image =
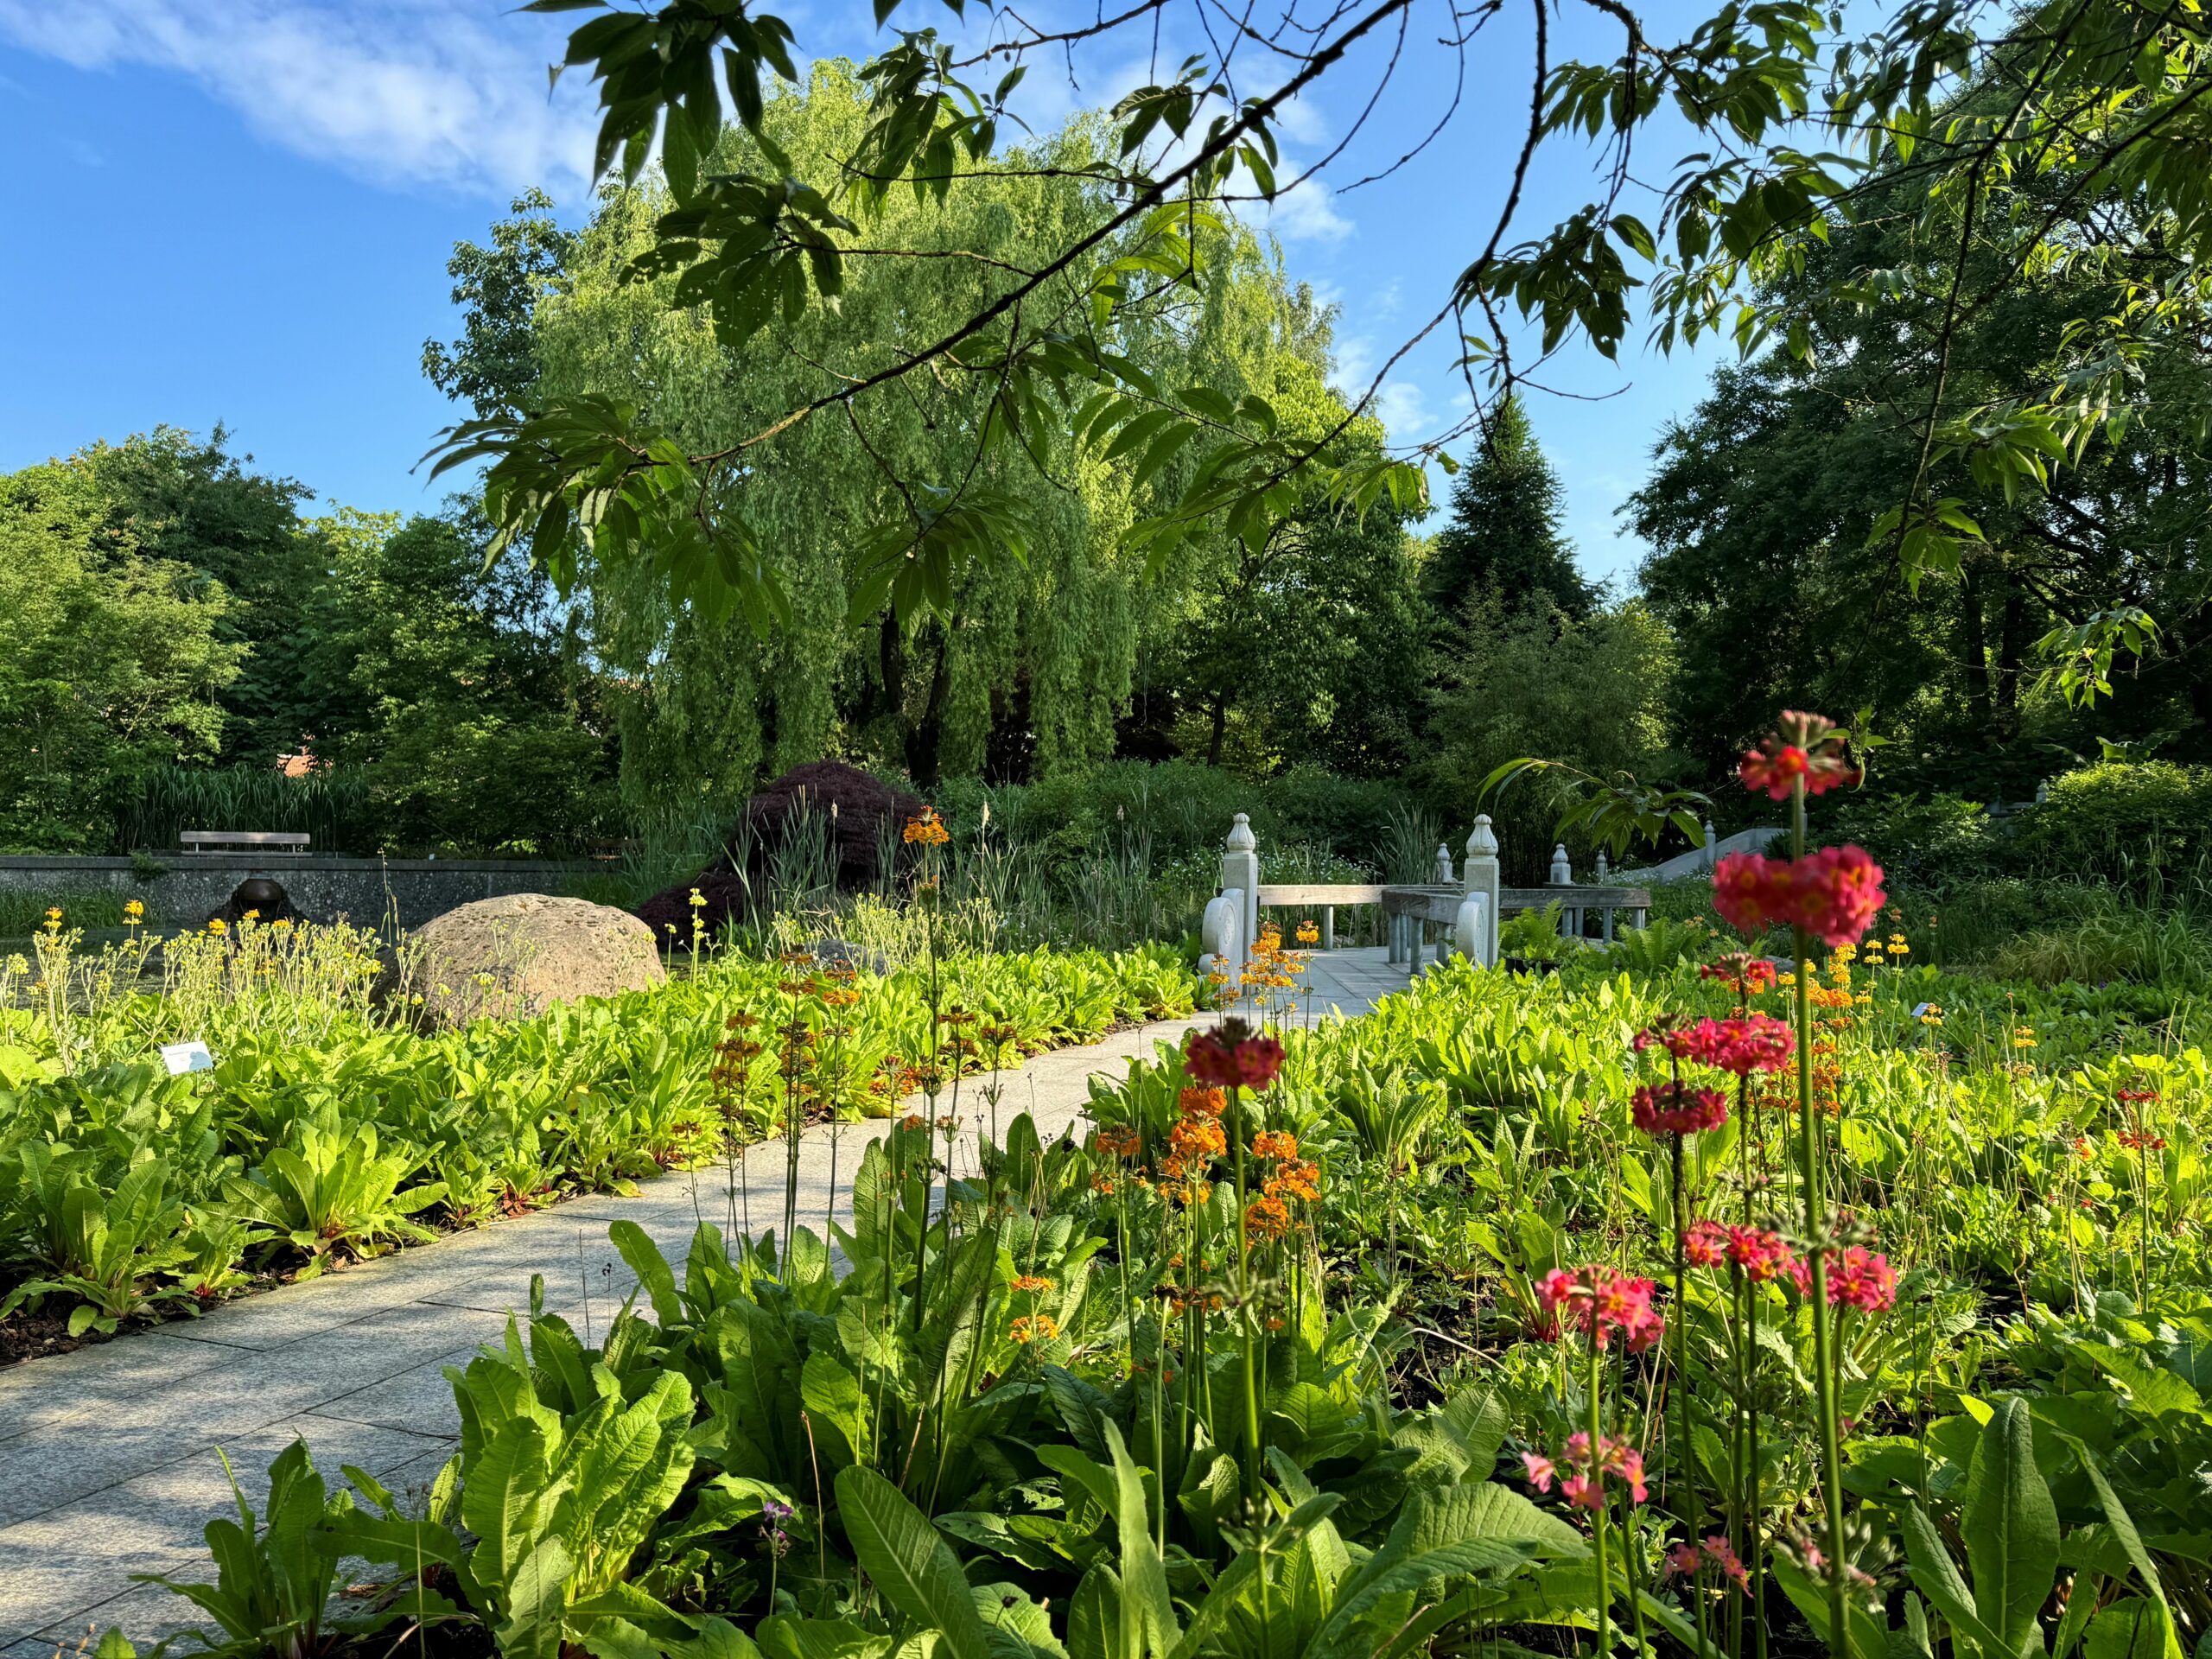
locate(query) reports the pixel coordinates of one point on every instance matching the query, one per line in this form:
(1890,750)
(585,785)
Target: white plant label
(180,1058)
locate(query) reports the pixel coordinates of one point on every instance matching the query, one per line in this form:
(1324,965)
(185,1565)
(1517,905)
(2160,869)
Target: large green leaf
(508,1499)
(2011,1529)
(533,1625)
(1443,1533)
(2131,1540)
(1148,1622)
(2135,1628)
(833,1404)
(1095,1616)
(1937,1578)
(910,1564)
(636,1247)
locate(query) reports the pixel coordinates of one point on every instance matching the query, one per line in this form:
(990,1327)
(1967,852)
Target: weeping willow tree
(1026,660)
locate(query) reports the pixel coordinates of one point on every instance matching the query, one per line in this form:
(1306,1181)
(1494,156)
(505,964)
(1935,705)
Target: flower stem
(1817,1227)
(1246,1324)
(1595,1391)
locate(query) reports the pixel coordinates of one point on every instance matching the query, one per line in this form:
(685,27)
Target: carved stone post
(1479,881)
(1240,874)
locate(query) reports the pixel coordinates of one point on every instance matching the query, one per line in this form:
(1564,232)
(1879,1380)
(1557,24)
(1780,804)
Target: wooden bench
(229,841)
(1325,896)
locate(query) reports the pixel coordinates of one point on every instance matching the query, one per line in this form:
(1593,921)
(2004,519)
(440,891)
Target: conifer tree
(1503,534)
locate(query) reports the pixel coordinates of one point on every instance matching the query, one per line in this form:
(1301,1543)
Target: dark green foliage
(1313,645)
(1788,586)
(2124,823)
(330,808)
(1178,809)
(493,365)
(111,659)
(1514,682)
(196,505)
(1502,536)
(468,716)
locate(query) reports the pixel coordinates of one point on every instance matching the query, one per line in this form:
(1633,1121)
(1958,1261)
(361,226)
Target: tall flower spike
(1804,746)
(1233,1055)
(1834,894)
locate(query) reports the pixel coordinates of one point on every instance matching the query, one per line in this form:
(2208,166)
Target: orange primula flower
(1193,1137)
(1112,1142)
(1297,1179)
(1202,1102)
(927,831)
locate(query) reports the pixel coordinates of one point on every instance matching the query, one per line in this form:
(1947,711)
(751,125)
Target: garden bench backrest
(282,841)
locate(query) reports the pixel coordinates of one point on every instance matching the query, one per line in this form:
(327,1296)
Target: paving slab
(108,1462)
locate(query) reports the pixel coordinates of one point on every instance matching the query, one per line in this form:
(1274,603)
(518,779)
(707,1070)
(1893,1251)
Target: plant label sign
(180,1058)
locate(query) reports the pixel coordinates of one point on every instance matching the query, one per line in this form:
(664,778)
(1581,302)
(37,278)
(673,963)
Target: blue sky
(240,211)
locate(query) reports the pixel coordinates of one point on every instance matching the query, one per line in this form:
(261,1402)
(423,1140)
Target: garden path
(108,1456)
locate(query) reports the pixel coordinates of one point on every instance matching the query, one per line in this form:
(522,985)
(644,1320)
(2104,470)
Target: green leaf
(2011,1527)
(1095,1616)
(2122,1524)
(909,1562)
(636,1247)
(1148,1622)
(1936,1577)
(2133,1628)
(533,1624)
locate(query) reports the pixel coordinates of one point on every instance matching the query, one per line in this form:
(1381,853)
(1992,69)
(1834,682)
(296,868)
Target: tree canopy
(113,659)
(1965,122)
(1767,505)
(1024,659)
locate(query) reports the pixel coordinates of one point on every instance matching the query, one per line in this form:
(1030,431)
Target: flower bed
(325,1132)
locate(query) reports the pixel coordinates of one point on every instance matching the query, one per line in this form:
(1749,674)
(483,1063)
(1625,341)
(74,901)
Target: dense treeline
(1774,567)
(163,606)
(170,616)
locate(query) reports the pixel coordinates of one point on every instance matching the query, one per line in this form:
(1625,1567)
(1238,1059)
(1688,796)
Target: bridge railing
(1459,912)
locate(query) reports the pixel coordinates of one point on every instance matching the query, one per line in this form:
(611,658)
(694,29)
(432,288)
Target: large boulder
(835,817)
(513,957)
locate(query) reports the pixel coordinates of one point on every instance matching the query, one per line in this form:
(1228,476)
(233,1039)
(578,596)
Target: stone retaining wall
(367,891)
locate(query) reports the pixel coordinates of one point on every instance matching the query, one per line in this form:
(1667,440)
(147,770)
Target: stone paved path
(108,1456)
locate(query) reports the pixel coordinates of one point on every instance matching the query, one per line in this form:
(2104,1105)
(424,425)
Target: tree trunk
(2011,652)
(925,738)
(1973,651)
(891,659)
(1220,728)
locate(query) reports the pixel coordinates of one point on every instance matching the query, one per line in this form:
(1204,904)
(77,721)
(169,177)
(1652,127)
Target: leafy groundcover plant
(1669,1304)
(332,1133)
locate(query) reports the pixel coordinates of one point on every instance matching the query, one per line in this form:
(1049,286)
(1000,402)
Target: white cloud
(1355,363)
(1402,405)
(1302,122)
(1404,409)
(453,92)
(1307,213)
(403,91)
